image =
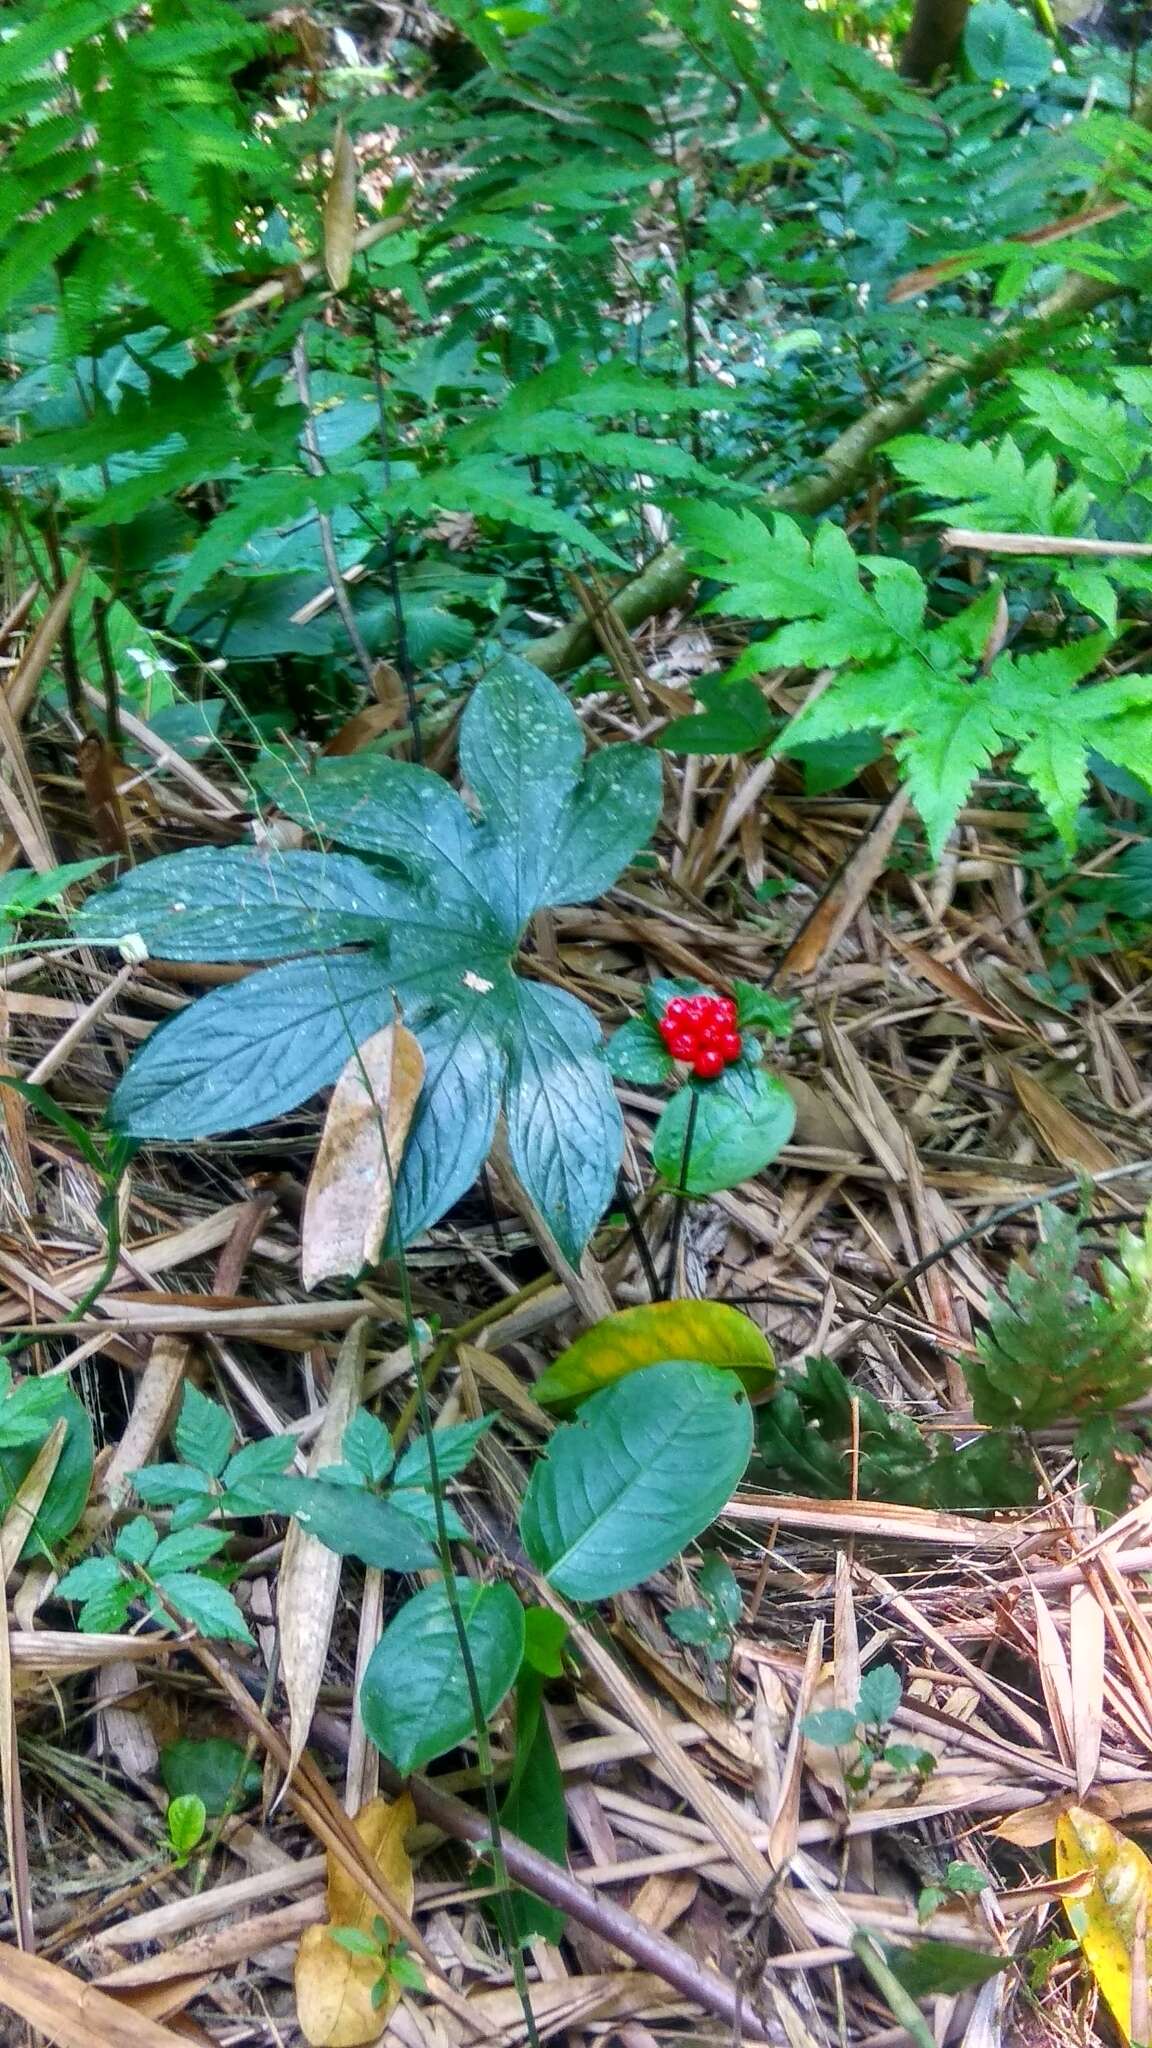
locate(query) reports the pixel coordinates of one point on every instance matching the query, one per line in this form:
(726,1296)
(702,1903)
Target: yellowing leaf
(1112,1924)
(704,1331)
(340,213)
(333,1986)
(349,1195)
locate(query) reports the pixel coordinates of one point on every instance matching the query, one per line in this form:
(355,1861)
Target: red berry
(710,1038)
(708,1063)
(726,1009)
(676,1009)
(699,1006)
(731,1045)
(667,1027)
(682,1045)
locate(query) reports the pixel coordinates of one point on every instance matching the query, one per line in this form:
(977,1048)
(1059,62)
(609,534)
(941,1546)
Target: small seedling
(860,1735)
(398,1971)
(187,1818)
(960,1880)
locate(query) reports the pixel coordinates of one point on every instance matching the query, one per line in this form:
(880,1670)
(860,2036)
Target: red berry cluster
(702,1030)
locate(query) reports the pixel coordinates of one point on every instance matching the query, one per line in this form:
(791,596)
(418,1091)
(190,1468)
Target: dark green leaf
(414,1699)
(759,1009)
(933,1968)
(636,1054)
(203,1434)
(545,1635)
(694,1625)
(208,1606)
(186,1551)
(107,1610)
(161,1484)
(611,814)
(248,1053)
(67,1495)
(455,1117)
(349,1520)
(565,1131)
(367,1446)
(648,1464)
(743,1119)
(521,748)
(216,1771)
(880,1695)
(736,718)
(222,903)
(717,1581)
(91,1576)
(534,1810)
(454,1448)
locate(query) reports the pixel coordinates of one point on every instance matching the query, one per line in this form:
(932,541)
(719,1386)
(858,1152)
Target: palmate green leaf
(414,1698)
(565,1129)
(646,1467)
(246,1054)
(554,830)
(224,903)
(521,750)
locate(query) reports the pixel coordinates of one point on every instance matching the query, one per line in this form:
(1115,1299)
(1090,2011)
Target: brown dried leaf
(340,212)
(309,1582)
(72,2014)
(1071,1143)
(349,1195)
(333,1987)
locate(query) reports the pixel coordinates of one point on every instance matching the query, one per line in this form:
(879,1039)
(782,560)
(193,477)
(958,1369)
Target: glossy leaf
(452,1125)
(565,1130)
(646,1467)
(707,1331)
(349,1520)
(224,903)
(521,748)
(613,812)
(245,1054)
(742,1121)
(636,1053)
(214,1770)
(1116,1912)
(414,1698)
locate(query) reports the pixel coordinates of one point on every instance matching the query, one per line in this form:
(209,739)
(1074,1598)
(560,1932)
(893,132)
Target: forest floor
(942,1089)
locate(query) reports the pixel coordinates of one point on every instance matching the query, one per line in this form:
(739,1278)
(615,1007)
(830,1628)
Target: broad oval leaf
(250,1052)
(414,1699)
(565,1130)
(707,1331)
(349,1198)
(222,903)
(1116,1912)
(742,1120)
(648,1464)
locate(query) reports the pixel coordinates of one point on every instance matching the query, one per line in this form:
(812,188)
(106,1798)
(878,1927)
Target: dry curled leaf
(349,1195)
(333,1986)
(309,1582)
(1112,1923)
(340,212)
